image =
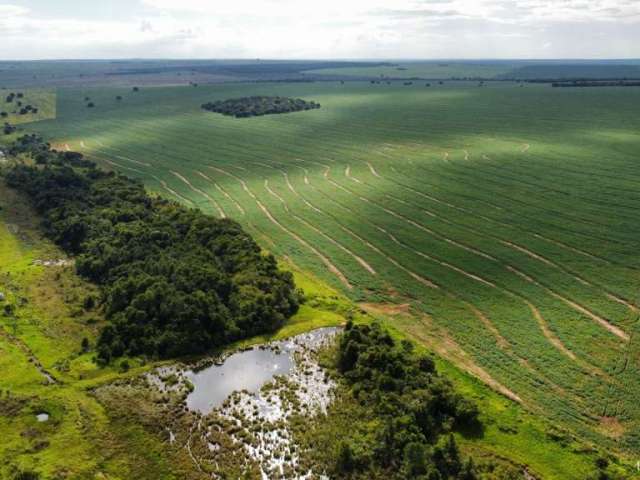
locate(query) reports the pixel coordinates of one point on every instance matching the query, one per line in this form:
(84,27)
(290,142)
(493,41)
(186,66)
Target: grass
(504,214)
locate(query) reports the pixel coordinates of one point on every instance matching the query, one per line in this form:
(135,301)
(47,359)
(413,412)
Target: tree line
(174,281)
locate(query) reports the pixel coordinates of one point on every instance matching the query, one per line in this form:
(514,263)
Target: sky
(319,29)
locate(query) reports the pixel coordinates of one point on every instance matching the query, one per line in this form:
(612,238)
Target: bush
(414,409)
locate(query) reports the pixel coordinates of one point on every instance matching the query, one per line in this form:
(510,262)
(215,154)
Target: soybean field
(498,224)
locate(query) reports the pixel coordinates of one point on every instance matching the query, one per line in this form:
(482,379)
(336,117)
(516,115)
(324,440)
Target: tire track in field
(576,306)
(539,257)
(120,157)
(353,255)
(535,312)
(347,173)
(498,222)
(201,192)
(115,164)
(173,192)
(445,346)
(222,191)
(604,323)
(419,278)
(330,266)
(499,181)
(373,170)
(556,342)
(502,342)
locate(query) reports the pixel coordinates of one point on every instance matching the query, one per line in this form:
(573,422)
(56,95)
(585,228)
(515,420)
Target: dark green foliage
(8,129)
(174,281)
(91,105)
(26,475)
(259,105)
(415,409)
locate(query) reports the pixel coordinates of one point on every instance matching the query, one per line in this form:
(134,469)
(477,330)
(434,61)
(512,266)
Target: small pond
(246,370)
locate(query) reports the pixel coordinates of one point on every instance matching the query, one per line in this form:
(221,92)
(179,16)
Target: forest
(259,105)
(395,414)
(174,281)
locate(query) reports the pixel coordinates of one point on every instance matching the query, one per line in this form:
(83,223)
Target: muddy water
(248,370)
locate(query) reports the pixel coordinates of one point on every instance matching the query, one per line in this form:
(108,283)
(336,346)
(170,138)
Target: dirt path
(201,192)
(466,154)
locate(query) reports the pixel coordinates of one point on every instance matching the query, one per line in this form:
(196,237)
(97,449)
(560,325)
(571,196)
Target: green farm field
(503,218)
(433,70)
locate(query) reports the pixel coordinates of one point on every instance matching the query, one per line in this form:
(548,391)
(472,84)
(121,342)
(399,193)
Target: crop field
(504,218)
(434,70)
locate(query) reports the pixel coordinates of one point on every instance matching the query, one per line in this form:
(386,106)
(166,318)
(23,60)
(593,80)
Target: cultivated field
(504,217)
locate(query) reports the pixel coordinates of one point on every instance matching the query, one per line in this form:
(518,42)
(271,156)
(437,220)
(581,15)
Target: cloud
(327,29)
(8,11)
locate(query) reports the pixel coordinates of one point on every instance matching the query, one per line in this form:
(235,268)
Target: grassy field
(504,217)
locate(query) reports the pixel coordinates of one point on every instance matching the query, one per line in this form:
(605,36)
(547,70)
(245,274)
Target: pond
(245,370)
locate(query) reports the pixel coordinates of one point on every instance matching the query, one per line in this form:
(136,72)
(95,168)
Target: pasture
(503,218)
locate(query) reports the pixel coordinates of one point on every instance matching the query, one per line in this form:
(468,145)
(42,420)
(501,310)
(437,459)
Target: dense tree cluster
(174,280)
(414,408)
(259,105)
(20,109)
(8,129)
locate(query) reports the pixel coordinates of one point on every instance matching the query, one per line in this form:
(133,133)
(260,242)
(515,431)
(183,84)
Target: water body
(248,370)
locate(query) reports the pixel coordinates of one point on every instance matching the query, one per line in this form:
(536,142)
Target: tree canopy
(415,410)
(174,280)
(259,105)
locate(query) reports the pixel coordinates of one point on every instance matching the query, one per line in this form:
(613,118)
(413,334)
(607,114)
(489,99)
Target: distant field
(505,217)
(43,99)
(431,70)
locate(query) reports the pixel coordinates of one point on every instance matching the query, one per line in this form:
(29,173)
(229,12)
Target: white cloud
(331,29)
